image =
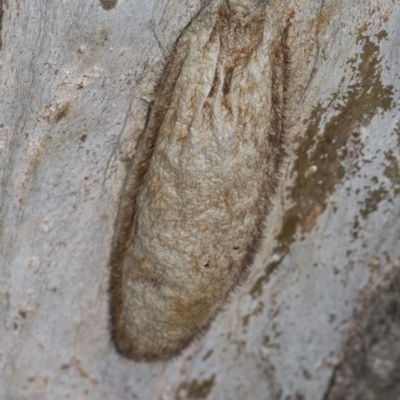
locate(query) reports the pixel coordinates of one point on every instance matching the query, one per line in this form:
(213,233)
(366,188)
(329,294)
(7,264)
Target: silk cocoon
(199,188)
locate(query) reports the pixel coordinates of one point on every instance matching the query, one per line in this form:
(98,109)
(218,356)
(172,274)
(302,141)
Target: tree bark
(77,82)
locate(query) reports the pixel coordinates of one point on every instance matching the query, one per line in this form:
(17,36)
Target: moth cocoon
(199,188)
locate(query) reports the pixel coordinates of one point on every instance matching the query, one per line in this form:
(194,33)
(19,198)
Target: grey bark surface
(77,80)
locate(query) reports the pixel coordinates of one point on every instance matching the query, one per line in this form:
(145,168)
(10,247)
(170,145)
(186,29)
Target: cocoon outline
(198,191)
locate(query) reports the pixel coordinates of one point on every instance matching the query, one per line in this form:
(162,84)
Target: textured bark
(77,79)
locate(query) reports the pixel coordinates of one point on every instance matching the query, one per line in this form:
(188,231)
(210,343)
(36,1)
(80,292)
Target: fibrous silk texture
(199,189)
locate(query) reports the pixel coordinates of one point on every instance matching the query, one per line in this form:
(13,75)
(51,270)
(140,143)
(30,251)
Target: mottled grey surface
(76,82)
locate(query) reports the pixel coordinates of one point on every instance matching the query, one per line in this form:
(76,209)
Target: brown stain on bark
(108,4)
(392,172)
(364,98)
